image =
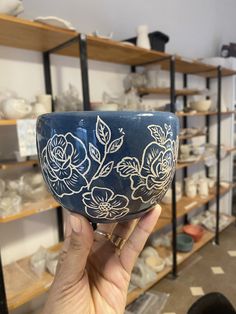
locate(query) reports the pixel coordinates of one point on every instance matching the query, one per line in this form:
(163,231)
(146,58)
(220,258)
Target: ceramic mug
(108,166)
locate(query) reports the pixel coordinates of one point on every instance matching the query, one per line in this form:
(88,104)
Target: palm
(93,277)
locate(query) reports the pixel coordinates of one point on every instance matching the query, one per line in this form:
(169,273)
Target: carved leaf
(157,133)
(106,169)
(103,131)
(94,153)
(116,145)
(128,166)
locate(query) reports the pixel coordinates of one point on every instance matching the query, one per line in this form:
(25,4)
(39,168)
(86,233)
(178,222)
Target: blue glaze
(108,166)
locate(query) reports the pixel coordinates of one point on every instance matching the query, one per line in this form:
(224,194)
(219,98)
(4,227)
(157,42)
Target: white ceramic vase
(143,39)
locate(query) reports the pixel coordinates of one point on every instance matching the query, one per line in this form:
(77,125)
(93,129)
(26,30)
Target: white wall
(196,29)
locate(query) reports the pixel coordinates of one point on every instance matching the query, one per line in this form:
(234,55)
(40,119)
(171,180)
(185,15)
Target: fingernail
(75,224)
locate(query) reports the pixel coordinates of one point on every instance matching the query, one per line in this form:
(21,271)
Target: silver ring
(117,241)
(104,234)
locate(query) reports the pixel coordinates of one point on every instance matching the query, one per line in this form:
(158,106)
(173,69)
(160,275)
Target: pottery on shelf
(184,243)
(46,101)
(201,105)
(167,199)
(203,187)
(149,251)
(195,231)
(156,263)
(142,274)
(190,187)
(54,21)
(105,165)
(142,38)
(15,108)
(11,7)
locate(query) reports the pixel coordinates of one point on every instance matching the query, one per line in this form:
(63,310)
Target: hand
(92,275)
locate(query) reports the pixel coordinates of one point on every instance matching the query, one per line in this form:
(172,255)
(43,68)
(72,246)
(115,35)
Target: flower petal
(76,181)
(119,202)
(100,195)
(60,188)
(150,154)
(88,201)
(116,213)
(137,180)
(144,194)
(79,152)
(63,173)
(95,213)
(84,166)
(68,151)
(58,140)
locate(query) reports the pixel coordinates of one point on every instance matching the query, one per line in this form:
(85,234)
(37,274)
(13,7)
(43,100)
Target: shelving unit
(207,237)
(17,164)
(19,33)
(31,208)
(22,284)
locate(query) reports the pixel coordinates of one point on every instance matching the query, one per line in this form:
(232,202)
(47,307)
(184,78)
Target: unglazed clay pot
(108,166)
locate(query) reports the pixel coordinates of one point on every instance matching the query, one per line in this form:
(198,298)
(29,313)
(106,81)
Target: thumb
(80,242)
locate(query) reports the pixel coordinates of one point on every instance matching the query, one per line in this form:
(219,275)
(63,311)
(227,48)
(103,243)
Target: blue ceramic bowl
(108,166)
(184,243)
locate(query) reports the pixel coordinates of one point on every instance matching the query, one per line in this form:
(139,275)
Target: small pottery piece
(38,261)
(156,263)
(142,274)
(184,243)
(95,165)
(167,199)
(195,231)
(190,187)
(15,108)
(203,189)
(51,262)
(11,7)
(46,101)
(143,39)
(201,106)
(149,251)
(54,21)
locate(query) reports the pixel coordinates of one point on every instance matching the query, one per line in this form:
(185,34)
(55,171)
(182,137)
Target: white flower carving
(103,204)
(150,179)
(64,164)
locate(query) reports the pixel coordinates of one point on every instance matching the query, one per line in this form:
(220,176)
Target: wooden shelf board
(196,67)
(32,208)
(231,150)
(17,164)
(22,285)
(189,114)
(189,164)
(7,122)
(26,34)
(187,204)
(166,91)
(20,33)
(189,136)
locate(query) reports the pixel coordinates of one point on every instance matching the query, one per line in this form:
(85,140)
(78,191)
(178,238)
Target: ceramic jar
(190,187)
(15,108)
(203,190)
(46,101)
(143,39)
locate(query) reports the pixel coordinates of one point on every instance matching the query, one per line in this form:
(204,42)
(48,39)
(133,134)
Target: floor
(213,268)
